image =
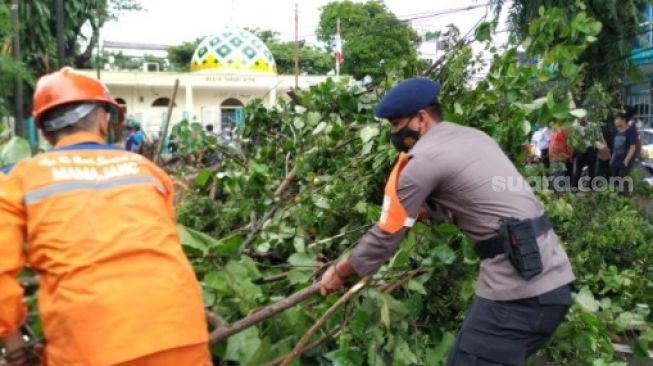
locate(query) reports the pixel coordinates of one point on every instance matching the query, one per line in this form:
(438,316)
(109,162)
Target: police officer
(523,289)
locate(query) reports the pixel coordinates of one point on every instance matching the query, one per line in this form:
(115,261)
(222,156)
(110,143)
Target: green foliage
(374,40)
(312,60)
(14,150)
(10,70)
(621,24)
(608,240)
(180,56)
(341,155)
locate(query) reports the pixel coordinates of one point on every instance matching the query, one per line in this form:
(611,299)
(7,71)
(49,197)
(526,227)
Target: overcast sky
(171,22)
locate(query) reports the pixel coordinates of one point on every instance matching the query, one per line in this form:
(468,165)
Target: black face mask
(404,139)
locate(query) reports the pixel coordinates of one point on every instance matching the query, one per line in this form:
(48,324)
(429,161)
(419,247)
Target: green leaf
(321,202)
(526,127)
(320,127)
(458,108)
(585,299)
(195,239)
(438,355)
(447,229)
(385,313)
(346,357)
(313,118)
(227,247)
(299,244)
(578,112)
(368,133)
(203,177)
(298,276)
(217,280)
(302,260)
(560,111)
(299,123)
(242,346)
(416,286)
(628,320)
(403,355)
(484,32)
(640,348)
(444,254)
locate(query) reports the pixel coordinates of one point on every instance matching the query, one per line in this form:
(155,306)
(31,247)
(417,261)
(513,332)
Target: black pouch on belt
(521,247)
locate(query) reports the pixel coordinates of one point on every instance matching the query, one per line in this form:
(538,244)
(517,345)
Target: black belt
(490,248)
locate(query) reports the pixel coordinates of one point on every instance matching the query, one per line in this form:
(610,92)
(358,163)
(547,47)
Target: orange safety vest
(99,225)
(393,214)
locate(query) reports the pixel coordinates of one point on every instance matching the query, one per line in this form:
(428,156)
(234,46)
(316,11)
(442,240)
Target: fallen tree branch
(225,331)
(244,247)
(283,187)
(390,287)
(274,278)
(311,346)
(341,301)
(326,240)
(225,151)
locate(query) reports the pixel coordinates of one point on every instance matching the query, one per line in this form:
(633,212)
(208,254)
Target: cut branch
(341,301)
(225,331)
(388,288)
(311,346)
(283,187)
(244,247)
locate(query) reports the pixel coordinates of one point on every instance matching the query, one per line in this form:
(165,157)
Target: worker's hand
(15,348)
(423,214)
(330,281)
(334,277)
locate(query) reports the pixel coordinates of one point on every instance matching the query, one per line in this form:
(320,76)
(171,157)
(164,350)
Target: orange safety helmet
(66,87)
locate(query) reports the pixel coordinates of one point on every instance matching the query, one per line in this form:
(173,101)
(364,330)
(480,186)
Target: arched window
(230,116)
(162,102)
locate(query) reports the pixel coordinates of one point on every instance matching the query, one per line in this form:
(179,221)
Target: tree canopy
(374,39)
(607,59)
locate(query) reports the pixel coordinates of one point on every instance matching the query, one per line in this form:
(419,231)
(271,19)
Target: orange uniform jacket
(98,225)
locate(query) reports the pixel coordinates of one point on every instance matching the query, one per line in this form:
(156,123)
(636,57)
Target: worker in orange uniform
(98,225)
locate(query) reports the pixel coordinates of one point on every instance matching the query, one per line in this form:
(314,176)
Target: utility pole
(19,124)
(296,53)
(338,48)
(61,48)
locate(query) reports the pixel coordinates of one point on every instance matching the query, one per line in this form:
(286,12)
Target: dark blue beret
(407,97)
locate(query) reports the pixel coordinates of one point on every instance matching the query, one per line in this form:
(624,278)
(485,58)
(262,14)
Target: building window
(162,102)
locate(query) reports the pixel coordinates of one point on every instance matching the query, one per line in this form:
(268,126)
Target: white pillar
(189,101)
(272,96)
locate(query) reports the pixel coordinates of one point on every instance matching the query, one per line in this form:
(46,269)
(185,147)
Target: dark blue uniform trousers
(508,332)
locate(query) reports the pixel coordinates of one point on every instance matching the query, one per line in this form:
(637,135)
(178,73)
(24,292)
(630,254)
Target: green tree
(312,60)
(606,59)
(9,68)
(373,38)
(180,56)
(37,31)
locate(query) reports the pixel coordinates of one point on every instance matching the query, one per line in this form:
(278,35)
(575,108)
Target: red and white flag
(339,58)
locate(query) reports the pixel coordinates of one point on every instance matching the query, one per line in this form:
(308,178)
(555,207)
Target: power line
(445,12)
(425,13)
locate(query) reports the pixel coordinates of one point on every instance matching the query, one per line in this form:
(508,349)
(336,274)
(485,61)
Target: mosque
(228,69)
